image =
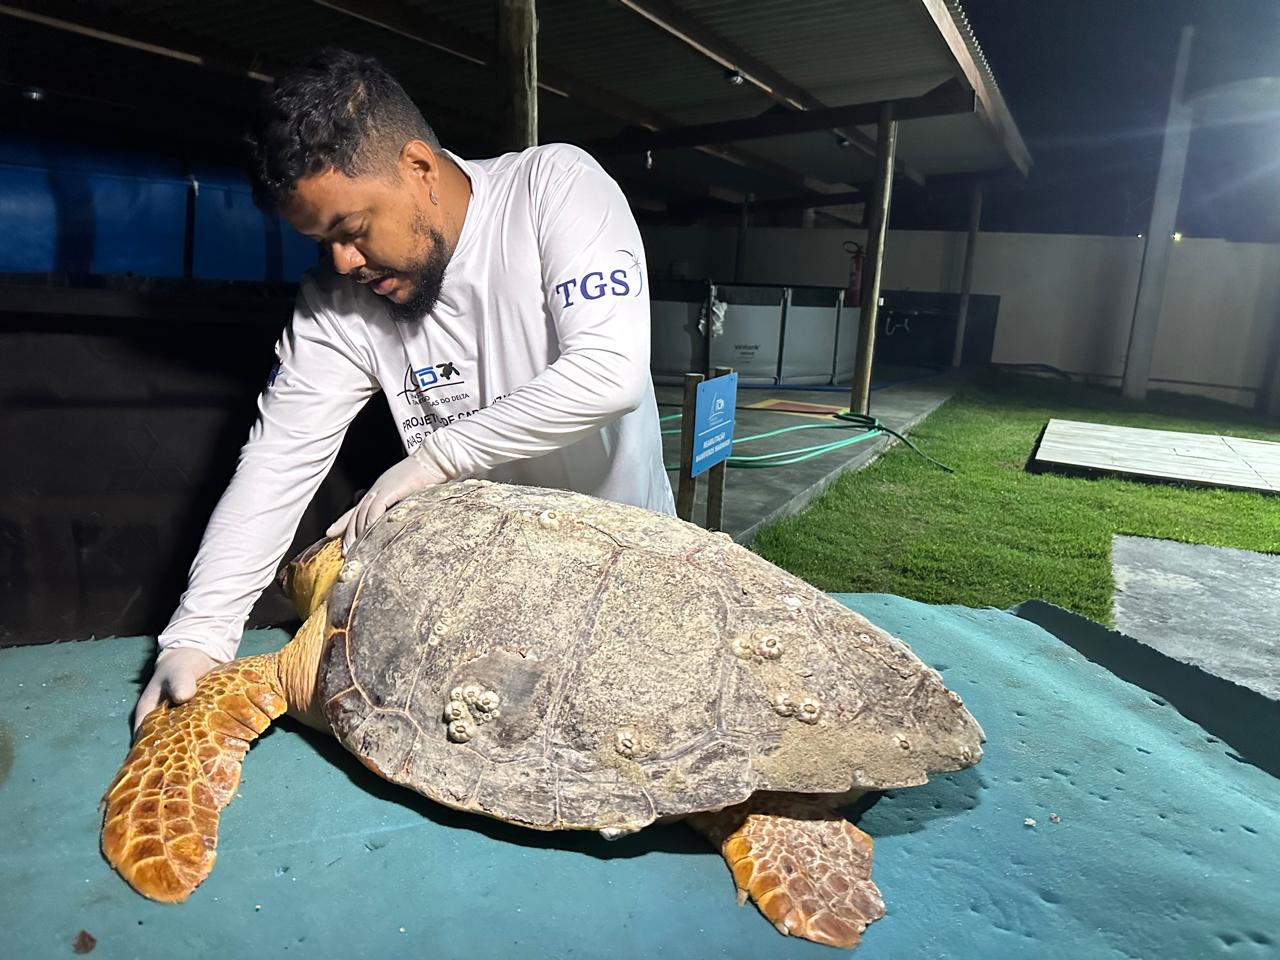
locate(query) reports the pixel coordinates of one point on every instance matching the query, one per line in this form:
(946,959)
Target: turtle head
(306,578)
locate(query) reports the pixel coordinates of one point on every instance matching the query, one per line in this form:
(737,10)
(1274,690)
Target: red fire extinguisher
(853,296)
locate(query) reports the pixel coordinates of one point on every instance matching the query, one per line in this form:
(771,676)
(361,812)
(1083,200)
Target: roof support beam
(699,37)
(124,31)
(417,25)
(810,202)
(991,106)
(948,99)
(108,30)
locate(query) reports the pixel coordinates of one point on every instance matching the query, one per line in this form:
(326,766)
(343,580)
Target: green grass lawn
(992,534)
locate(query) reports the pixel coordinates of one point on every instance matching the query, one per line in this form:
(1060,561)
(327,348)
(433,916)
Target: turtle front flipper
(160,829)
(807,868)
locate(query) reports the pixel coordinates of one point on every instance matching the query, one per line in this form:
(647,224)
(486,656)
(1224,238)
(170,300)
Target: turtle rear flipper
(807,868)
(160,830)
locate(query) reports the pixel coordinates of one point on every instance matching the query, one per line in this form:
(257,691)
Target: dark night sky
(1088,83)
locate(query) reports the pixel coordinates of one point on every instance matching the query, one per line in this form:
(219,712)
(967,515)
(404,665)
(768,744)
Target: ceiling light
(734,77)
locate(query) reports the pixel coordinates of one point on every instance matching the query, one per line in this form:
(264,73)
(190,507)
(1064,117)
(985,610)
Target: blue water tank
(79,210)
(74,209)
(234,240)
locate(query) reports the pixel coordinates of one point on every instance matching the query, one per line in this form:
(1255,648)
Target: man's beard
(426,276)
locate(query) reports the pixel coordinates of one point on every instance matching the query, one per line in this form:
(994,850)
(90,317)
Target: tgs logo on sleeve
(625,280)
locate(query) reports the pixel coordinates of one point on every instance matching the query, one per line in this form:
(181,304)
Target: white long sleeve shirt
(532,368)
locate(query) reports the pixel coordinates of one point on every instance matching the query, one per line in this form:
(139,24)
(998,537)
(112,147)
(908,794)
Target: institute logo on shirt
(624,278)
(419,380)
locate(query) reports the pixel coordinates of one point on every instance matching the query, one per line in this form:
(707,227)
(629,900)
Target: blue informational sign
(713,421)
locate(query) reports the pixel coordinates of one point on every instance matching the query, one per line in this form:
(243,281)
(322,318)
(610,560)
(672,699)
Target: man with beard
(500,305)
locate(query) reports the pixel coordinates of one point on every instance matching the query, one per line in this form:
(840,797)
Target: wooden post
(688,489)
(715,480)
(708,334)
(740,251)
(966,279)
(517,33)
(886,147)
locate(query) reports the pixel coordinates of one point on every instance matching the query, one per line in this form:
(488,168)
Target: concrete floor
(1212,607)
(755,498)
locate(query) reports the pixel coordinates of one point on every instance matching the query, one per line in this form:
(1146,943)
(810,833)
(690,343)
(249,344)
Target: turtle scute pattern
(161,824)
(639,667)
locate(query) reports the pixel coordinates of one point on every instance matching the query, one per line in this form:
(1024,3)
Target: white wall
(1064,300)
(1220,315)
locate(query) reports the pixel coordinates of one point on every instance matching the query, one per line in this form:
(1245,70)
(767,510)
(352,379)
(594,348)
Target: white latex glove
(175,676)
(414,473)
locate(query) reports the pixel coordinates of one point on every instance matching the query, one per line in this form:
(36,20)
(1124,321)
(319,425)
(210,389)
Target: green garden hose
(871,427)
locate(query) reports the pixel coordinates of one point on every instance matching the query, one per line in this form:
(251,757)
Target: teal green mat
(1151,839)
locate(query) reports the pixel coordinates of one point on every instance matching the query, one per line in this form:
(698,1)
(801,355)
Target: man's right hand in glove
(174,679)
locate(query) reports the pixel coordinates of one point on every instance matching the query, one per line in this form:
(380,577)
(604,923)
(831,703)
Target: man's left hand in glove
(413,474)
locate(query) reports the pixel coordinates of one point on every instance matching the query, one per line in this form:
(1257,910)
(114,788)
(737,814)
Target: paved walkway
(755,498)
(1212,607)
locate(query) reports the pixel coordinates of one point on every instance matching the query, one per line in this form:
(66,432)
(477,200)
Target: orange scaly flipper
(807,868)
(160,829)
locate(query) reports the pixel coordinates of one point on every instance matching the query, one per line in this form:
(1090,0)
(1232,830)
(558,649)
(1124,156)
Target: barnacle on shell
(783,705)
(810,710)
(471,692)
(902,741)
(742,648)
(456,710)
(398,514)
(350,570)
(769,646)
(628,741)
(460,731)
(549,520)
(487,702)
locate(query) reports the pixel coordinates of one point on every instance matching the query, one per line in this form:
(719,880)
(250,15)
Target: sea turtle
(562,662)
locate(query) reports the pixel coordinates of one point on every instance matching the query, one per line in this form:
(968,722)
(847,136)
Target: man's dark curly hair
(340,111)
